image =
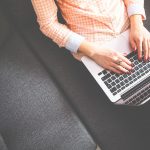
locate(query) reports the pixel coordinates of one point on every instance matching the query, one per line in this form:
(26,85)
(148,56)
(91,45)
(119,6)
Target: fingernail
(134,48)
(131,63)
(146,59)
(129,72)
(140,58)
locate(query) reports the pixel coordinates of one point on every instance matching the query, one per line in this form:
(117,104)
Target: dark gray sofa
(34,113)
(42,87)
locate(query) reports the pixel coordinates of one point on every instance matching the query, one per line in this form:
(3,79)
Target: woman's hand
(139,37)
(107,58)
(113,61)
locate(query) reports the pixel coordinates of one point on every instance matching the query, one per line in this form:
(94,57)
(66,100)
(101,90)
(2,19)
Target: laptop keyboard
(116,83)
(139,97)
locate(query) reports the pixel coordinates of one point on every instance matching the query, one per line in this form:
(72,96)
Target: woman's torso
(96,20)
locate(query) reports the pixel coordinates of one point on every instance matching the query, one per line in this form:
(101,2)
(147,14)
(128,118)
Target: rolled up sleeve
(46,11)
(135,7)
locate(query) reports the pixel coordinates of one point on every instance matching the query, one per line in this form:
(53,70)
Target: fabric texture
(96,20)
(34,112)
(2,144)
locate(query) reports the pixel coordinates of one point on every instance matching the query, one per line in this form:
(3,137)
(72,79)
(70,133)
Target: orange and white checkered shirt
(93,20)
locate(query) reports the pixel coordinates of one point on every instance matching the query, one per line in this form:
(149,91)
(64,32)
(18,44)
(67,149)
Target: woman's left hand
(140,39)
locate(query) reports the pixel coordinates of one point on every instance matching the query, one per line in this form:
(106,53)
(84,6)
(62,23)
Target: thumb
(133,45)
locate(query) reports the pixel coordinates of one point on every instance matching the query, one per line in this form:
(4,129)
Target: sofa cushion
(34,113)
(2,144)
(22,12)
(5,28)
(147,21)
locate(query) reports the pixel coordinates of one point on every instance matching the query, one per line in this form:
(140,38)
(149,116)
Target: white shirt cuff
(74,42)
(136,9)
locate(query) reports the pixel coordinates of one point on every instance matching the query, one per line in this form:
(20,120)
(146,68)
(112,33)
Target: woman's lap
(125,127)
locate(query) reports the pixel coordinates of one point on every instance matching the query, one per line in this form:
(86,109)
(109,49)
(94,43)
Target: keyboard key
(109,80)
(104,72)
(118,86)
(123,87)
(114,93)
(113,77)
(113,83)
(106,77)
(121,78)
(126,80)
(100,73)
(117,81)
(122,83)
(108,85)
(118,90)
(130,78)
(113,89)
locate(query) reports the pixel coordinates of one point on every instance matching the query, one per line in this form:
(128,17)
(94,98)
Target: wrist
(136,21)
(87,48)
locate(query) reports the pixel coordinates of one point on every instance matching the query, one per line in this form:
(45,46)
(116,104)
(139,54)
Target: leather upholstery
(34,113)
(2,144)
(5,29)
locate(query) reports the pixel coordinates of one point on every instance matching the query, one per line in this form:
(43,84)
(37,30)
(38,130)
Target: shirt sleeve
(135,7)
(46,11)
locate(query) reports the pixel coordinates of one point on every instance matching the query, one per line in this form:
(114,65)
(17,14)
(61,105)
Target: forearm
(61,35)
(46,11)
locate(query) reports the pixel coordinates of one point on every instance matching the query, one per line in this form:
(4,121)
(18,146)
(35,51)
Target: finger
(133,45)
(148,45)
(120,68)
(146,51)
(126,66)
(149,49)
(126,60)
(139,46)
(114,70)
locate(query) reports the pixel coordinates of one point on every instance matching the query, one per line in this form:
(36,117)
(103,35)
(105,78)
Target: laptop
(126,89)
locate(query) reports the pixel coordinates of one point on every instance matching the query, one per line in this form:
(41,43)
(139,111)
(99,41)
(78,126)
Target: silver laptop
(126,89)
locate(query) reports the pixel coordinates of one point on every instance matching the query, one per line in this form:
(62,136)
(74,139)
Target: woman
(89,23)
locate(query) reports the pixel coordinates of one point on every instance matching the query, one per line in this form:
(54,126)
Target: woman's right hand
(113,61)
(107,58)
